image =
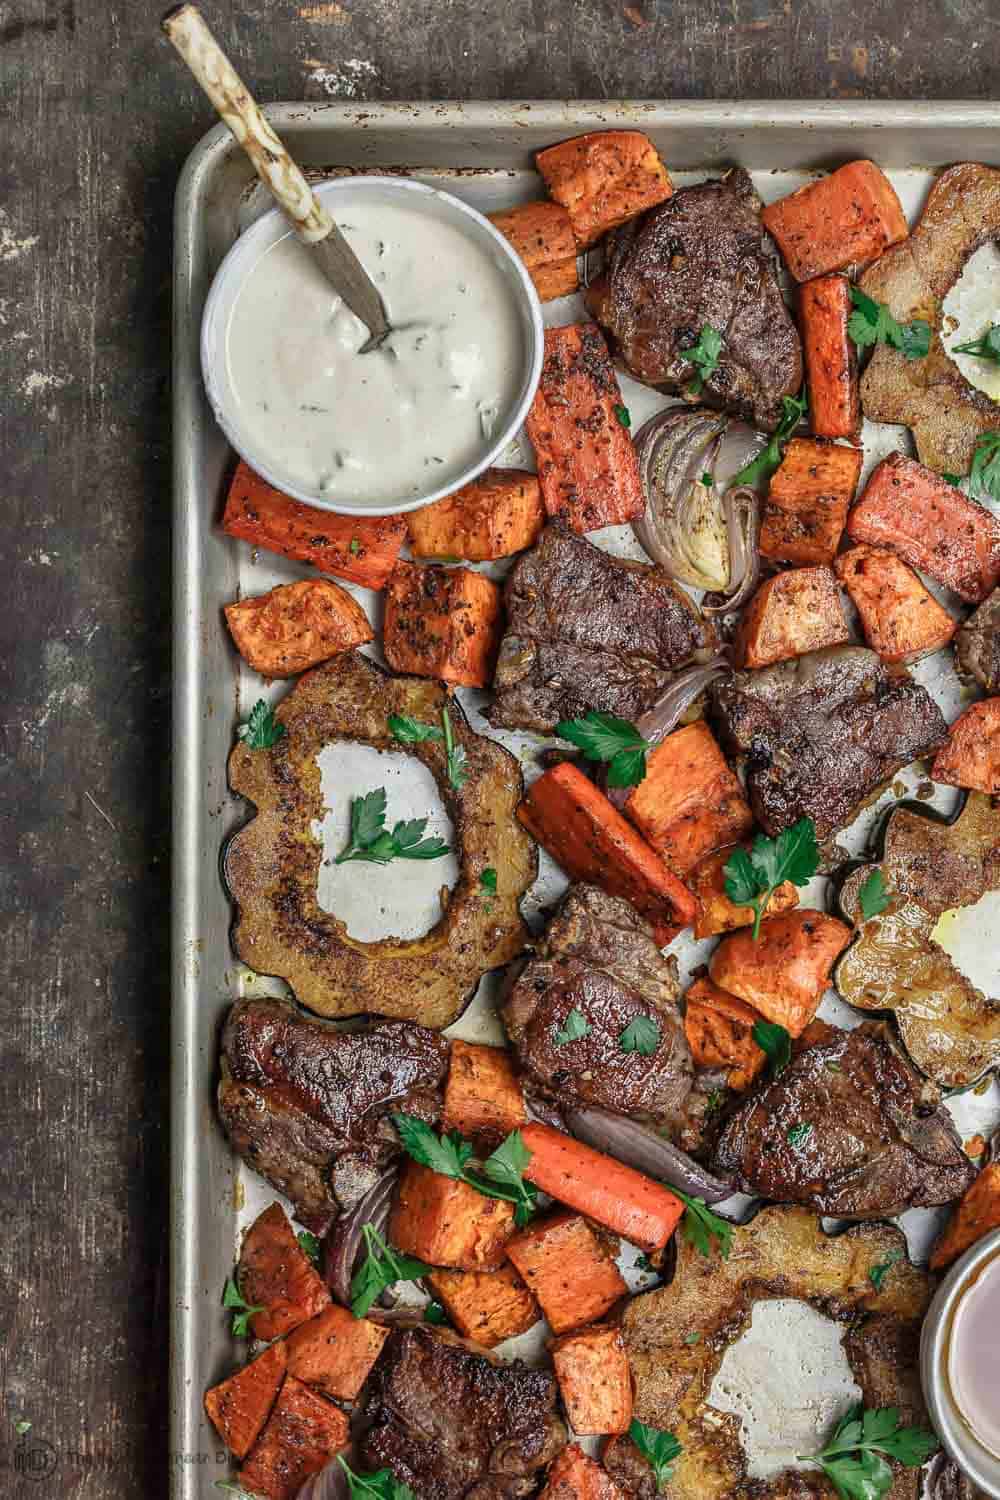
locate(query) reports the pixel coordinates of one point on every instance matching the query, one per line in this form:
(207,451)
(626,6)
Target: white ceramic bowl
(244,255)
(976,1461)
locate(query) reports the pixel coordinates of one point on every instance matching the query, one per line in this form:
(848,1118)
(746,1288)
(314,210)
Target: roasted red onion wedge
(640,1147)
(664,716)
(344,1240)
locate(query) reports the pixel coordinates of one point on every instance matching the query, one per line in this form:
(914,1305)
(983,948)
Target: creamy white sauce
(400,421)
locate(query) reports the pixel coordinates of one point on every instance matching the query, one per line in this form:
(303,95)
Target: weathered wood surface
(98,117)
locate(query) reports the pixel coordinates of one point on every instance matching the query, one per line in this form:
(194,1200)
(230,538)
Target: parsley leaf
(22,1427)
(458,771)
(309,1245)
(986,347)
(764,465)
(775,1042)
(854,1458)
(880,1271)
(704,355)
(381,1267)
(708,480)
(233,1297)
(355,546)
(752,879)
(623,414)
(382,1485)
(501,1175)
(658,1448)
(701,1226)
(984,480)
(505,1168)
(261,729)
(488,880)
(435,1313)
(692,1338)
(873,897)
(603,737)
(872,323)
(641,1035)
(573,1028)
(410,731)
(799,1134)
(953,479)
(370,840)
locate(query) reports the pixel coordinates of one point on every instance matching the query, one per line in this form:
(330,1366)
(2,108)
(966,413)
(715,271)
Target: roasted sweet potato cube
(784,972)
(296,626)
(716,913)
(575,1476)
(447,1223)
(542,235)
(975,1215)
(499,513)
(901,619)
(482,1098)
(604,178)
(488,1306)
(808,501)
(442,622)
(719,1030)
(334,1351)
(689,800)
(239,1406)
(847,218)
(595,1381)
(275,1273)
(568,1269)
(302,1434)
(971,757)
(791,614)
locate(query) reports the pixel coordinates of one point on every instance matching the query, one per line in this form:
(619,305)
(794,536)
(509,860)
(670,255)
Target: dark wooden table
(98,119)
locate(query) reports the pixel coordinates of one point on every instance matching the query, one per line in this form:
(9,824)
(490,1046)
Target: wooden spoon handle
(186,28)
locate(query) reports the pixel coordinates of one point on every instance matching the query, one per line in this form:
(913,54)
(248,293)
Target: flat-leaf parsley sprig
(371,840)
(752,879)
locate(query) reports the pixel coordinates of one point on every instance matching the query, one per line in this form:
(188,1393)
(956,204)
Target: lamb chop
(451,1423)
(306,1104)
(587,630)
(849,1128)
(822,732)
(698,259)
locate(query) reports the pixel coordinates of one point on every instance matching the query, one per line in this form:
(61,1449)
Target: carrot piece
(595,1381)
(542,235)
(975,1215)
(606,1190)
(846,218)
(482,1097)
(442,622)
(930,525)
(784,973)
(296,626)
(689,800)
(831,358)
(808,500)
(971,756)
(791,614)
(568,1269)
(302,1434)
(447,1223)
(361,549)
(587,466)
(488,1306)
(719,1031)
(239,1406)
(604,178)
(579,827)
(335,1351)
(576,1476)
(275,1273)
(499,513)
(901,619)
(716,913)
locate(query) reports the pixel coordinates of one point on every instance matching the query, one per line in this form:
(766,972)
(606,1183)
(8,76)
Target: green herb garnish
(244,1311)
(880,1271)
(641,1035)
(22,1427)
(692,1338)
(573,1028)
(435,1313)
(410,731)
(458,772)
(309,1245)
(659,1449)
(371,840)
(261,729)
(488,879)
(355,546)
(986,347)
(953,479)
(799,1134)
(700,1226)
(704,355)
(603,737)
(382,1267)
(382,1485)
(873,897)
(854,1460)
(764,465)
(623,414)
(872,323)
(752,879)
(775,1042)
(500,1176)
(708,480)
(984,478)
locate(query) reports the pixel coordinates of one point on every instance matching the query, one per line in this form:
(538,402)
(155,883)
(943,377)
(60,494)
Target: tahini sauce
(400,421)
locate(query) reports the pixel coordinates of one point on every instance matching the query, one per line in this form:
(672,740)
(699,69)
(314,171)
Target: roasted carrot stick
(831,358)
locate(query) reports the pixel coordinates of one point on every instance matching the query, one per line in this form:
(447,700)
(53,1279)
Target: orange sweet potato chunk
(499,513)
(568,1269)
(719,1030)
(576,1476)
(302,1434)
(971,756)
(239,1407)
(689,800)
(296,626)
(595,1380)
(808,500)
(482,1098)
(848,217)
(443,623)
(334,1351)
(447,1223)
(487,1306)
(275,1273)
(901,619)
(794,613)
(604,178)
(784,973)
(976,1214)
(716,913)
(542,234)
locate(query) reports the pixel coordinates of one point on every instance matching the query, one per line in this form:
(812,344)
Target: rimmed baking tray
(484,150)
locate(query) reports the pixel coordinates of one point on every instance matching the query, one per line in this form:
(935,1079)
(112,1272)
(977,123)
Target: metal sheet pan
(484,151)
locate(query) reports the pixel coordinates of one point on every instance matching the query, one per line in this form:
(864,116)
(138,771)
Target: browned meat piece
(587,630)
(699,259)
(849,1128)
(599,959)
(305,1104)
(977,644)
(451,1423)
(821,733)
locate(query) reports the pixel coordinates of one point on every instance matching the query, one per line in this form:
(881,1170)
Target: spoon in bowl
(185,26)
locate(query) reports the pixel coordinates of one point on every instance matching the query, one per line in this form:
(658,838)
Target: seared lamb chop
(306,1105)
(451,1423)
(977,644)
(822,732)
(598,958)
(849,1128)
(698,259)
(586,630)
